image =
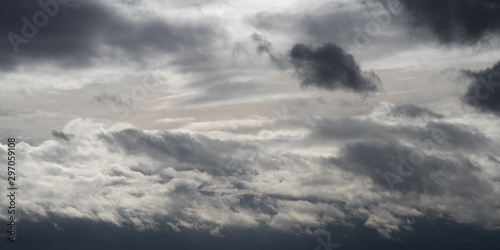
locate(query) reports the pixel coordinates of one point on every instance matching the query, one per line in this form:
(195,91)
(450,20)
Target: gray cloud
(181,147)
(433,175)
(336,25)
(106,98)
(443,233)
(144,179)
(76,37)
(247,168)
(434,158)
(456,21)
(483,91)
(223,91)
(62,135)
(330,67)
(451,136)
(414,111)
(493,159)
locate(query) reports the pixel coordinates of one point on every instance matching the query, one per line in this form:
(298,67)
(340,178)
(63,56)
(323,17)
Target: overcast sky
(236,124)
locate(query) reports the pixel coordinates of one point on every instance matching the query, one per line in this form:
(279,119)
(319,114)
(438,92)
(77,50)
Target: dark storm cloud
(76,36)
(416,171)
(62,135)
(483,92)
(330,67)
(80,234)
(414,111)
(456,21)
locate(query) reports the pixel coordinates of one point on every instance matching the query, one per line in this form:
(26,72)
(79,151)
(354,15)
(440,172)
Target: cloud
(150,179)
(493,159)
(425,160)
(330,21)
(483,91)
(430,174)
(413,111)
(447,136)
(62,135)
(93,31)
(262,46)
(106,98)
(215,91)
(330,67)
(234,165)
(165,146)
(456,21)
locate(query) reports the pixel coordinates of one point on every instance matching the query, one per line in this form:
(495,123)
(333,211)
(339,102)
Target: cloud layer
(153,179)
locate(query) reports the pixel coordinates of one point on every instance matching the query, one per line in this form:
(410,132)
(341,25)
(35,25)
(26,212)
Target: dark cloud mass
(76,35)
(456,21)
(330,67)
(483,91)
(442,232)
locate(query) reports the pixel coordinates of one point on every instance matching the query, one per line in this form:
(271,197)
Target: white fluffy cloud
(149,178)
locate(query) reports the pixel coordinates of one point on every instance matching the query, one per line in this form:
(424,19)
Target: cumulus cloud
(330,67)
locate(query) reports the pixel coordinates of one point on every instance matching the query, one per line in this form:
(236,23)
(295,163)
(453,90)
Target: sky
(233,124)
